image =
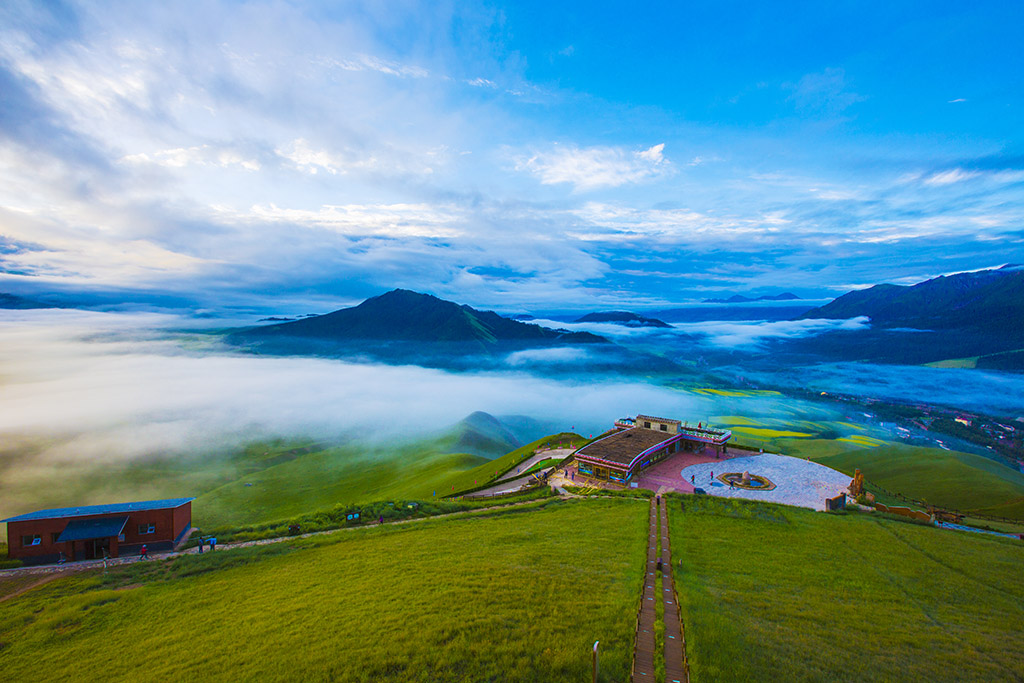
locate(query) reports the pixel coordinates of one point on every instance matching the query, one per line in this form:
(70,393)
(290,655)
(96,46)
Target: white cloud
(132,390)
(745,334)
(201,155)
(391,220)
(591,168)
(953,175)
(370,63)
(824,93)
(565,355)
(301,154)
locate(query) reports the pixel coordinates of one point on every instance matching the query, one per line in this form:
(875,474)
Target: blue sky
(513,156)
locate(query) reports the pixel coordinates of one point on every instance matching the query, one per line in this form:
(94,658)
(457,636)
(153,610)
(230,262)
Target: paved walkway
(643,650)
(797,481)
(534,459)
(666,475)
(675,648)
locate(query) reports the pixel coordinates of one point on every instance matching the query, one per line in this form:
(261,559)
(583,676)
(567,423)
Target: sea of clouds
(105,386)
(728,334)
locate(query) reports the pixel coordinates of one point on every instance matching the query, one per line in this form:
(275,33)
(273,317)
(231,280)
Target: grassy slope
(777,593)
(287,478)
(947,478)
(513,596)
(350,475)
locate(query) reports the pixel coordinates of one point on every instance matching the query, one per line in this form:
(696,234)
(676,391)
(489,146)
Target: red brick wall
(182,519)
(168,522)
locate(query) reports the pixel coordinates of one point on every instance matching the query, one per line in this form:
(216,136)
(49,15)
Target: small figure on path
(712,476)
(213,543)
(692,480)
(200,545)
(381,520)
(142,553)
(61,559)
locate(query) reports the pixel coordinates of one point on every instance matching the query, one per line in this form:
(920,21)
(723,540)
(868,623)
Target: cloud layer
(293,153)
(111,386)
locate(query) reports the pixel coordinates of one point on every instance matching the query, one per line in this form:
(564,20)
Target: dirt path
(54,570)
(35,584)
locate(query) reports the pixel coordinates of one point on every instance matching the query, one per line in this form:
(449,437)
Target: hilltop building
(86,533)
(639,442)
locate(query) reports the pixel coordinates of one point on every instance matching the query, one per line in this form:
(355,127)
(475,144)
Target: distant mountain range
(402,323)
(622,318)
(740,299)
(991,300)
(11,301)
(964,315)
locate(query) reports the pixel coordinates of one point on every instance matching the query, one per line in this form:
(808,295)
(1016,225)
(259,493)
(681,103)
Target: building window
(54,536)
(147,529)
(647,425)
(27,541)
(664,428)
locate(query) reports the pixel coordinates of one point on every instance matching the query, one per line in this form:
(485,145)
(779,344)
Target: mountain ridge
(627,318)
(402,315)
(740,299)
(986,300)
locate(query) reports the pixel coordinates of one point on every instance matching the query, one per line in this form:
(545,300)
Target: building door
(94,548)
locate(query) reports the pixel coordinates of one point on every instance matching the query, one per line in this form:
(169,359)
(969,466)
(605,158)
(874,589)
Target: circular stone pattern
(757,482)
(797,481)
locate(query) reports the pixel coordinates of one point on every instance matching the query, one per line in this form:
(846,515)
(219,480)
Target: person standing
(200,545)
(213,543)
(142,553)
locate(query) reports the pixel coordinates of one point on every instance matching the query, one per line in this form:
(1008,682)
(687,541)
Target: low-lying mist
(102,386)
(729,334)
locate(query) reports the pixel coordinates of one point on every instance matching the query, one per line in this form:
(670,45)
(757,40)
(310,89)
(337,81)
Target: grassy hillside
(261,482)
(777,593)
(946,478)
(325,478)
(517,596)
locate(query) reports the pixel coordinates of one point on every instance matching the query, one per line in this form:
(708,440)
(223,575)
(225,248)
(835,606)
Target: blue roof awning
(89,510)
(88,529)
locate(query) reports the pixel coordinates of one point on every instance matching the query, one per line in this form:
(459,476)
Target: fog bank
(108,386)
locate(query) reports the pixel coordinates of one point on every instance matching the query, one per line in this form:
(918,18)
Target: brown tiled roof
(657,419)
(622,447)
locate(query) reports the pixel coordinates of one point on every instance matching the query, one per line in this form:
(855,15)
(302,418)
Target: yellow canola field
(736,393)
(861,440)
(768,433)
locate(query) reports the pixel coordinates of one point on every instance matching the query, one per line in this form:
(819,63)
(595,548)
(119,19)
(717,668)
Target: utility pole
(595,660)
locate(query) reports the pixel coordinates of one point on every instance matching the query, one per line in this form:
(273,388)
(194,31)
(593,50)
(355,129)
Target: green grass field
(778,593)
(262,482)
(945,478)
(516,596)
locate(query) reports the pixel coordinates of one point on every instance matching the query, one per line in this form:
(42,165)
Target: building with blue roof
(95,531)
